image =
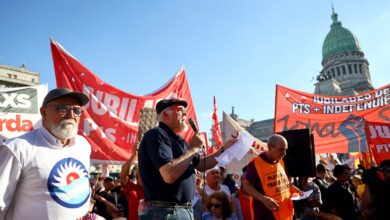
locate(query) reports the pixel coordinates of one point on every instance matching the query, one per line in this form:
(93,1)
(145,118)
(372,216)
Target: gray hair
(160,116)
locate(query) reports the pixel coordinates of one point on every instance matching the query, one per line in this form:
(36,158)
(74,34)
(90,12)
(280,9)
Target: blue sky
(235,50)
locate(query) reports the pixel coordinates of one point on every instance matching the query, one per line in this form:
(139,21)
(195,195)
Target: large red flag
(110,120)
(216,128)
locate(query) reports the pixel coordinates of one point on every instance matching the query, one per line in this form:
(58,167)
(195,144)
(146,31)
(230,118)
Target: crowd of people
(334,196)
(44,175)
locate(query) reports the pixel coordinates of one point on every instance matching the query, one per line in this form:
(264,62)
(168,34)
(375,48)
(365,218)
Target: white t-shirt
(223,188)
(40,179)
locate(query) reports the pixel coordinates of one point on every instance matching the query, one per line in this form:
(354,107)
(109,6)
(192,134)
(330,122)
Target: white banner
(249,145)
(19,110)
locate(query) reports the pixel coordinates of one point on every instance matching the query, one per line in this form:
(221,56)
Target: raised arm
(210,161)
(125,171)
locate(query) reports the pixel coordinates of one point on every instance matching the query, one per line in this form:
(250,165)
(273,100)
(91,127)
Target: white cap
(212,169)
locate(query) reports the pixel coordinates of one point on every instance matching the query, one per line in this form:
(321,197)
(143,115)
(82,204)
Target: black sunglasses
(217,206)
(66,109)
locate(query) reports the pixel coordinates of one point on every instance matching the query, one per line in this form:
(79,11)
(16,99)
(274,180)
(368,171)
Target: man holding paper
(167,163)
(267,182)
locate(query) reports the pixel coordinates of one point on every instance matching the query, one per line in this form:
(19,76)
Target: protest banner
(110,120)
(337,122)
(19,110)
(378,139)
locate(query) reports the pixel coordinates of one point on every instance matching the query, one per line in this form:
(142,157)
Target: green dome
(338,40)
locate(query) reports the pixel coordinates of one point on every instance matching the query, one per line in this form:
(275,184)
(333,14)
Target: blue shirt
(158,147)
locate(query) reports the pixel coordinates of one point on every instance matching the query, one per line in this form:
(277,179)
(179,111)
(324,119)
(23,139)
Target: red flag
(111,118)
(209,149)
(216,129)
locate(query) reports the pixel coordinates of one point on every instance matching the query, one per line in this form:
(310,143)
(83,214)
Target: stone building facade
(17,76)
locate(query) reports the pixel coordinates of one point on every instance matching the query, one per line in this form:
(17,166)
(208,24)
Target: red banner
(337,122)
(216,129)
(378,139)
(110,122)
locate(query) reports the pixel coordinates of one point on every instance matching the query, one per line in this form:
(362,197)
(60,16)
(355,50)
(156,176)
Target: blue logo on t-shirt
(68,183)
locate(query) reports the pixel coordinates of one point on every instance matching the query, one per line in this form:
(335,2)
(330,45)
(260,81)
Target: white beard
(183,126)
(66,129)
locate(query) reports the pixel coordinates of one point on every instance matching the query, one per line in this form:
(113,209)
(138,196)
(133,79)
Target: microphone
(195,129)
(193,125)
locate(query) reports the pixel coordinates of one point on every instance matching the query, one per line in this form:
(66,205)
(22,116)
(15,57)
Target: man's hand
(294,189)
(172,170)
(199,184)
(229,143)
(199,179)
(271,204)
(196,143)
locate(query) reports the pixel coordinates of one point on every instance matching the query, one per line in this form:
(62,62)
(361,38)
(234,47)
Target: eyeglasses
(66,109)
(217,206)
(181,109)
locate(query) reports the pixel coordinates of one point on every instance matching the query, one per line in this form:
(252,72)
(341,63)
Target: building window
(355,67)
(33,80)
(338,71)
(9,75)
(360,68)
(15,76)
(332,74)
(343,69)
(350,68)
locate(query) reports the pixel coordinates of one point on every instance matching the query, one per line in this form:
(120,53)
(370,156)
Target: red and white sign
(378,139)
(110,122)
(337,122)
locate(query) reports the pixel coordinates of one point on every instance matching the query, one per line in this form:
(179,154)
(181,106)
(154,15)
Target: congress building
(345,72)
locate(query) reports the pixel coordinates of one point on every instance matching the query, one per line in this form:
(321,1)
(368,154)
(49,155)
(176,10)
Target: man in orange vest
(267,182)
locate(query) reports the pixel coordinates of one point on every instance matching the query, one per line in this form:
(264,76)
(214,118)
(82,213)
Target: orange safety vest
(277,186)
(246,205)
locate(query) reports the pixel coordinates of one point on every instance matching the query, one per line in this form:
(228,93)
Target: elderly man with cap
(167,163)
(44,173)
